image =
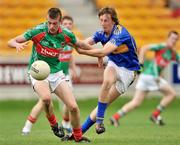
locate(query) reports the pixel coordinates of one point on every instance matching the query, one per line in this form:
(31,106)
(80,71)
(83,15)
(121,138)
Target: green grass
(135,129)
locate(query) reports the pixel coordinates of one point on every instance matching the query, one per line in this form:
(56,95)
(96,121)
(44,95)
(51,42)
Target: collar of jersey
(114,27)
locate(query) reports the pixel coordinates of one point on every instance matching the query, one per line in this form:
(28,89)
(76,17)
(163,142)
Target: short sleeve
(69,36)
(34,31)
(73,38)
(30,33)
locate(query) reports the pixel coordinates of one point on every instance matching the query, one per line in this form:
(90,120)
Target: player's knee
(46,100)
(107,83)
(73,108)
(173,94)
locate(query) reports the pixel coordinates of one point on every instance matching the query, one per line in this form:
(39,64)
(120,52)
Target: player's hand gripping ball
(40,70)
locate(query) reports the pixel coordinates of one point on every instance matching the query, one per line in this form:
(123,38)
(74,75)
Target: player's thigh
(69,81)
(110,75)
(64,92)
(42,89)
(113,94)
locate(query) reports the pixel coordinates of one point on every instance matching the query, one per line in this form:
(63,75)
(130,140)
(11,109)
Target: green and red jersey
(163,56)
(48,47)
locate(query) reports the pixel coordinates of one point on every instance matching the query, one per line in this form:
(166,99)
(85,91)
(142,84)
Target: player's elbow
(10,43)
(144,49)
(101,55)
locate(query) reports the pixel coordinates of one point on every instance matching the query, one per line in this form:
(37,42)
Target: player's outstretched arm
(18,42)
(108,48)
(143,50)
(80,45)
(90,41)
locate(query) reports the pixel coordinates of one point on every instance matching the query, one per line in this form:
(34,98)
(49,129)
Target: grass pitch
(134,129)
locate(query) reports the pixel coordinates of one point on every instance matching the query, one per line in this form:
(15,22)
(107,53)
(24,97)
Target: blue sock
(87,124)
(100,112)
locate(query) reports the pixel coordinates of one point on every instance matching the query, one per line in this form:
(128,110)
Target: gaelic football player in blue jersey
(120,48)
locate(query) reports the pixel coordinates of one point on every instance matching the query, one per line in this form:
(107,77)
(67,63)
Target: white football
(40,70)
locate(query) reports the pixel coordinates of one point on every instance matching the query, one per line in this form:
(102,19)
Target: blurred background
(149,21)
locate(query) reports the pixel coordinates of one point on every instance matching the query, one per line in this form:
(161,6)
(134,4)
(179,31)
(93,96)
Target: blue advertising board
(176,73)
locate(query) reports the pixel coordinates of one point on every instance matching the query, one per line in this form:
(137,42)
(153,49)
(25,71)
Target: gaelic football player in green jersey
(67,62)
(49,39)
(151,79)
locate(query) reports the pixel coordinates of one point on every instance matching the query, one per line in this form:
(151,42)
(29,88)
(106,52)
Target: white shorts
(53,79)
(147,82)
(125,77)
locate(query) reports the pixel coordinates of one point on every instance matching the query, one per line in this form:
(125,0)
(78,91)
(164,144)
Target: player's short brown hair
(54,13)
(66,17)
(111,11)
(173,32)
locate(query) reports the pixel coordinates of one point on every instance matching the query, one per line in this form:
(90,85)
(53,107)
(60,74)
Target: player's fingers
(75,77)
(18,49)
(26,43)
(99,64)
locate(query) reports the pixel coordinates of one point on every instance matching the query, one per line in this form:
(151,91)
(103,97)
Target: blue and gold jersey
(126,53)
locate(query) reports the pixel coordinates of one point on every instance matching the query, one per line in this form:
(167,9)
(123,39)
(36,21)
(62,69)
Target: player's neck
(53,33)
(108,32)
